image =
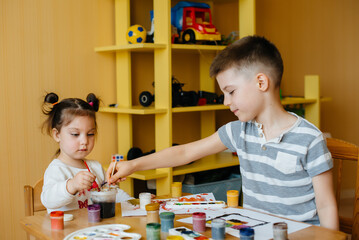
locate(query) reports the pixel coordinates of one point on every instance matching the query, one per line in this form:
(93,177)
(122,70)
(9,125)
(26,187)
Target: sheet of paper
(128,209)
(238,218)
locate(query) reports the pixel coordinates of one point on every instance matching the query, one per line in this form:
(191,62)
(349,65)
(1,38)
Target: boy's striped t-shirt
(277,174)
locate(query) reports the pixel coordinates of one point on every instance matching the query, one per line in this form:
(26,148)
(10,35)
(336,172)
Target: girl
(69,177)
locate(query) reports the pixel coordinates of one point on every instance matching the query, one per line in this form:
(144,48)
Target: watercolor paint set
(104,232)
(187,234)
(197,204)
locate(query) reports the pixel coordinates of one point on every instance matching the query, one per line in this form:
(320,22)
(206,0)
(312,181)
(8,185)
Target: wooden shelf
(299,100)
(133,110)
(220,160)
(196,47)
(199,108)
(149,174)
(140,47)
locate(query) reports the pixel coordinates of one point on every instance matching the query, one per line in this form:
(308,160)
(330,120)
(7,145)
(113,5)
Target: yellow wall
(47,45)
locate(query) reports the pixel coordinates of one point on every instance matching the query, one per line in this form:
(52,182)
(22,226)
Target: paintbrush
(94,184)
(115,158)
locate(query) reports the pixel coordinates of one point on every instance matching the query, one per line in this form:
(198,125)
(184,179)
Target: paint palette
(197,204)
(187,234)
(103,232)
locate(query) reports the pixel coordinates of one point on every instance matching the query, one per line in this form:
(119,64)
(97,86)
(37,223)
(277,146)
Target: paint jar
(199,221)
(174,237)
(57,220)
(107,202)
(93,212)
(232,198)
(153,231)
(280,231)
(246,233)
(166,221)
(145,198)
(218,229)
(153,212)
(176,189)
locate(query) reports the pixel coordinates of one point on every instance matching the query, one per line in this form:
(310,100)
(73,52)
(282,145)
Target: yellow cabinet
(163,50)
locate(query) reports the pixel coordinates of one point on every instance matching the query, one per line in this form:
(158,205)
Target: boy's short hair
(247,52)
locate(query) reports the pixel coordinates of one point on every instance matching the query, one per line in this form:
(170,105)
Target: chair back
(344,151)
(32,196)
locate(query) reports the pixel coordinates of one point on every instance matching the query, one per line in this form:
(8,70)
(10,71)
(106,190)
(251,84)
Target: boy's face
(241,93)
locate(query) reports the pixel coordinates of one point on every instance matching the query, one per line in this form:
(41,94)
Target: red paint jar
(199,221)
(57,220)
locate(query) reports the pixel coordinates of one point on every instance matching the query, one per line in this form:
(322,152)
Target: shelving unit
(162,110)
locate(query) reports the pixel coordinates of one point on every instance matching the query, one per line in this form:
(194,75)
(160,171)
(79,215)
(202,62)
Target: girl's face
(76,139)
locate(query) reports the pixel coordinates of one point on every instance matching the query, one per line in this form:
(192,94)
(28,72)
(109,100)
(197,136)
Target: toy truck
(193,22)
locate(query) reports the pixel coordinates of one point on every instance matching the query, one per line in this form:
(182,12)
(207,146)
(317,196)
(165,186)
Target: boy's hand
(82,181)
(122,169)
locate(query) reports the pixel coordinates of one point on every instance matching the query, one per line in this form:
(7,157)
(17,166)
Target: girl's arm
(169,157)
(325,200)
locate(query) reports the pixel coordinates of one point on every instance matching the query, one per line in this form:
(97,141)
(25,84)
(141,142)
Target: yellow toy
(136,34)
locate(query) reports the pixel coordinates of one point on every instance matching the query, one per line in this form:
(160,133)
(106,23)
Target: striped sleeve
(318,158)
(228,134)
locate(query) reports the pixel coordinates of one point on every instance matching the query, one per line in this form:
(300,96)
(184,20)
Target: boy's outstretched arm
(169,157)
(325,200)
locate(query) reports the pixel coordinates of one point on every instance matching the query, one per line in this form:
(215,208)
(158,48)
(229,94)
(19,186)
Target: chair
(32,197)
(345,151)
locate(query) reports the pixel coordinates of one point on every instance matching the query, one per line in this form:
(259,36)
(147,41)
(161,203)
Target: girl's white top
(55,196)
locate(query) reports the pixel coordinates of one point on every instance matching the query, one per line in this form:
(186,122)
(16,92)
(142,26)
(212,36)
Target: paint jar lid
(152,206)
(280,225)
(174,237)
(167,215)
(68,217)
(218,223)
(57,214)
(176,184)
(232,193)
(246,231)
(94,207)
(155,226)
(199,215)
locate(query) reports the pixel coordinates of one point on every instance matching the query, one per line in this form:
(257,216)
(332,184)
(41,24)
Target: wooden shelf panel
(220,160)
(196,48)
(140,47)
(149,174)
(299,100)
(199,108)
(133,110)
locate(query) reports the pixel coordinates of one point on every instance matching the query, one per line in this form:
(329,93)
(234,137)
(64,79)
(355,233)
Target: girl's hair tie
(91,104)
(55,103)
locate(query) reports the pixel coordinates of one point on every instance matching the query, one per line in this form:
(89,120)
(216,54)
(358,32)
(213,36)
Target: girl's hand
(122,169)
(82,181)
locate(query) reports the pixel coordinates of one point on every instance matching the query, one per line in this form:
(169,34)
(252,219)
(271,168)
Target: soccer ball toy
(136,34)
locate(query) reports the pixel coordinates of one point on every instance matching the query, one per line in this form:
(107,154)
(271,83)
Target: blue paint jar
(153,231)
(166,221)
(218,229)
(246,233)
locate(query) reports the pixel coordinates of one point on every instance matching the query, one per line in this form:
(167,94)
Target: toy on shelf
(183,98)
(193,22)
(136,34)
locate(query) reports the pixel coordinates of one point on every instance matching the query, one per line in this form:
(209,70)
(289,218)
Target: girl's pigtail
(93,101)
(51,98)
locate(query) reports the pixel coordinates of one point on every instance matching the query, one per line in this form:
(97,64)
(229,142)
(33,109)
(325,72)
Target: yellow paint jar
(176,189)
(232,198)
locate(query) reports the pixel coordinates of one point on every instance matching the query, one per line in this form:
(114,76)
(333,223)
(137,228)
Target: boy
(284,161)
